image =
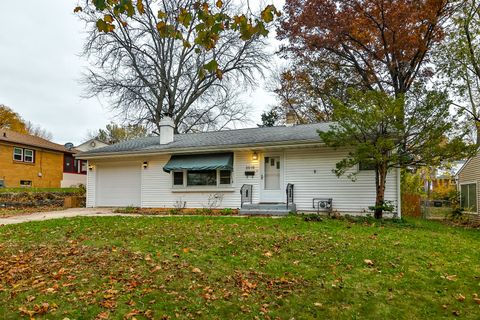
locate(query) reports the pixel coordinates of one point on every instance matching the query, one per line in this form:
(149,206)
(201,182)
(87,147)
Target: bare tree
(38,131)
(147,76)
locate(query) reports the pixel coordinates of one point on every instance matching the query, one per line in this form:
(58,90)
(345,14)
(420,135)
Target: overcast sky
(40,69)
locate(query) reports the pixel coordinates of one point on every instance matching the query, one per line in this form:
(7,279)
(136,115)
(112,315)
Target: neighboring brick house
(29,161)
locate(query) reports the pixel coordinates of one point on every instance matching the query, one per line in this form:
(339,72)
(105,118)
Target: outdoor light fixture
(90,167)
(255,155)
(145,165)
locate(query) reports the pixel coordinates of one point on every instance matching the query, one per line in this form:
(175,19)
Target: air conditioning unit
(323,204)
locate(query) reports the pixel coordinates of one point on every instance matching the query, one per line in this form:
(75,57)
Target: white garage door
(118,184)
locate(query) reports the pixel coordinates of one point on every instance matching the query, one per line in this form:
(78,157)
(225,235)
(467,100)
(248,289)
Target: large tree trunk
(380,181)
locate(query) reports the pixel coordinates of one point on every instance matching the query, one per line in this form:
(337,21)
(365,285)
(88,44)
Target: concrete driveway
(76,212)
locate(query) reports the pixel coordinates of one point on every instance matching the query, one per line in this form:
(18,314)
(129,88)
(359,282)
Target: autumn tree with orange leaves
(382,49)
(386,43)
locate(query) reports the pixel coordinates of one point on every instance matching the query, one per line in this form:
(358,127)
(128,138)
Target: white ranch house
(260,170)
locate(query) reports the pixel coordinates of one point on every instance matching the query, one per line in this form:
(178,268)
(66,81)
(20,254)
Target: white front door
(272,190)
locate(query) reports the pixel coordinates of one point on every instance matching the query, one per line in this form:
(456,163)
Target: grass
(177,211)
(242,268)
(37,190)
(437,212)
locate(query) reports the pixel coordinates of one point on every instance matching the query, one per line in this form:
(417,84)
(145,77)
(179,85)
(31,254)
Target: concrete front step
(276,209)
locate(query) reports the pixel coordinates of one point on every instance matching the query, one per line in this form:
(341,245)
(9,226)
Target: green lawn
(40,190)
(242,268)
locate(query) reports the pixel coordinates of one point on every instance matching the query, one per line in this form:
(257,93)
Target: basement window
(25,183)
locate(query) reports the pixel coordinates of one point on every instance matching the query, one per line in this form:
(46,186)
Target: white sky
(40,69)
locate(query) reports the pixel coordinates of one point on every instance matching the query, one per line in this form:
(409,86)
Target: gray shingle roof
(228,138)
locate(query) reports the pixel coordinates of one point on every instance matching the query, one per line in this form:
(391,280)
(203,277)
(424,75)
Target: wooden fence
(411,205)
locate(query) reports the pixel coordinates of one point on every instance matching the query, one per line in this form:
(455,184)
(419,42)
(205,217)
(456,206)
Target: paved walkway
(76,212)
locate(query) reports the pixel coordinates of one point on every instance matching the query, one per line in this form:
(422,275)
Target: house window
(28,155)
(25,183)
(17,154)
(225,177)
(366,165)
(23,155)
(178,178)
(83,166)
(202,178)
(468,197)
(198,178)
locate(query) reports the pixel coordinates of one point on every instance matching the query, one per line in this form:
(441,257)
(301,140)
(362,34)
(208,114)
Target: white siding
(91,187)
(310,170)
(157,186)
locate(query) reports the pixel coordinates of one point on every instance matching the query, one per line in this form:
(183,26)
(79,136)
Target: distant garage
(118,184)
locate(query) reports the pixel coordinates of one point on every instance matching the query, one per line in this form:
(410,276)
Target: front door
(272,178)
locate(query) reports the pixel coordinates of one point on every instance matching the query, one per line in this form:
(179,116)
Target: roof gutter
(190,150)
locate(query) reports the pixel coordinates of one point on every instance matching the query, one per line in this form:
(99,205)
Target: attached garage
(118,184)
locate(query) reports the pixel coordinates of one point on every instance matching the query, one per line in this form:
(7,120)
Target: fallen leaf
(196,270)
(318,304)
(103,315)
(461,297)
(131,314)
(267,254)
(368,262)
(452,277)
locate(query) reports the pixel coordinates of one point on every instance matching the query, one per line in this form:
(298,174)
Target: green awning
(221,161)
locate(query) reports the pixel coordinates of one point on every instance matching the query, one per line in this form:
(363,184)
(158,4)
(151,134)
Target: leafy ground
(242,268)
(40,190)
(8,212)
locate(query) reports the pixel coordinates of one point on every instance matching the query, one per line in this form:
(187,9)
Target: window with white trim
(28,155)
(17,154)
(23,155)
(201,178)
(178,178)
(468,197)
(225,177)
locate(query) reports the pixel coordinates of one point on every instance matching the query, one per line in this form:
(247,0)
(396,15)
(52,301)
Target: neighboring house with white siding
(467,181)
(259,169)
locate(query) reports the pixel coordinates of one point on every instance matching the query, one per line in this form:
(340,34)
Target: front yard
(242,268)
